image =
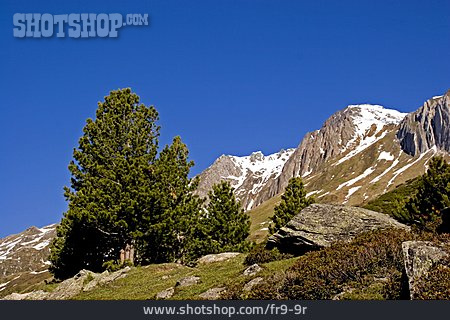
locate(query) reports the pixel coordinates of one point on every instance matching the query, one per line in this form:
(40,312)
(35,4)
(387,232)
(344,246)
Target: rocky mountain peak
(345,134)
(248,174)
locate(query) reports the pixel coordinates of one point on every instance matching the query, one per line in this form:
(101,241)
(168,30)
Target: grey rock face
(427,127)
(342,132)
(252,270)
(210,258)
(419,256)
(319,225)
(213,293)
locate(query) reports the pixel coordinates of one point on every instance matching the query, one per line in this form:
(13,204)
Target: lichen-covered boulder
(319,225)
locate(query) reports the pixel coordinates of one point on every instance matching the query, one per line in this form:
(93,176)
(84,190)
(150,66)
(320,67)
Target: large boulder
(319,225)
(419,257)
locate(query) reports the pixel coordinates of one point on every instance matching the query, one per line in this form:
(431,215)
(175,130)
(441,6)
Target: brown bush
(435,284)
(325,273)
(259,254)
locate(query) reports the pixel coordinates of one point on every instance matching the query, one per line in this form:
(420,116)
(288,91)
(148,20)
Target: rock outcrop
(319,225)
(188,281)
(165,294)
(213,293)
(84,280)
(419,257)
(210,258)
(252,283)
(427,128)
(252,270)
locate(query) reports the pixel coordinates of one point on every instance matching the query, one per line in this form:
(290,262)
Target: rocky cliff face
(427,128)
(348,132)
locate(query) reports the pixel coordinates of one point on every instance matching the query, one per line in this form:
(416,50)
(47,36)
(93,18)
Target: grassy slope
(260,217)
(145,282)
(383,202)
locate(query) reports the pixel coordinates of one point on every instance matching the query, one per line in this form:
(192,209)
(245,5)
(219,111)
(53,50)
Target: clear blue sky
(228,76)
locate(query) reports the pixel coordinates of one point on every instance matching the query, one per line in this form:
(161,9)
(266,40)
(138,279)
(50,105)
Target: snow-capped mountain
(24,258)
(248,174)
(358,153)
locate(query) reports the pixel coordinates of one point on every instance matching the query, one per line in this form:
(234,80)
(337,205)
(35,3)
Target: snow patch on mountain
(369,115)
(366,173)
(385,156)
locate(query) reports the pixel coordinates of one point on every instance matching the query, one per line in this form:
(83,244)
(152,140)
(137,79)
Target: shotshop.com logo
(74,25)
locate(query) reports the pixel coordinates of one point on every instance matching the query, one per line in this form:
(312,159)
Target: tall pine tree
(292,202)
(111,184)
(225,224)
(432,196)
(167,226)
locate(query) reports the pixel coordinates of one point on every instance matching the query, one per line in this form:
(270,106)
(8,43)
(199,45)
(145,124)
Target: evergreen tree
(111,180)
(432,195)
(225,224)
(166,229)
(292,202)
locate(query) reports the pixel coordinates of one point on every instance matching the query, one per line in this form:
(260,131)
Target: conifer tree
(167,226)
(111,180)
(226,225)
(292,202)
(432,195)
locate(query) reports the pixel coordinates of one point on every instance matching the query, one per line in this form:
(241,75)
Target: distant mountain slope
(249,175)
(24,258)
(359,153)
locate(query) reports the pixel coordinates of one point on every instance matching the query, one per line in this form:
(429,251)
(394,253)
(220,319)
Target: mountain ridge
(350,135)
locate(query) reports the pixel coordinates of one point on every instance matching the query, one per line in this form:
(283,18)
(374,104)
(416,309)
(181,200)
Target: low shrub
(435,284)
(259,254)
(357,264)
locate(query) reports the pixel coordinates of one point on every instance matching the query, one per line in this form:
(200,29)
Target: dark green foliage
(110,179)
(393,202)
(292,202)
(172,212)
(225,225)
(356,265)
(122,193)
(432,195)
(259,254)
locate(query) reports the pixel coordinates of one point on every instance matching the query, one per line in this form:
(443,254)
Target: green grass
(145,282)
(260,217)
